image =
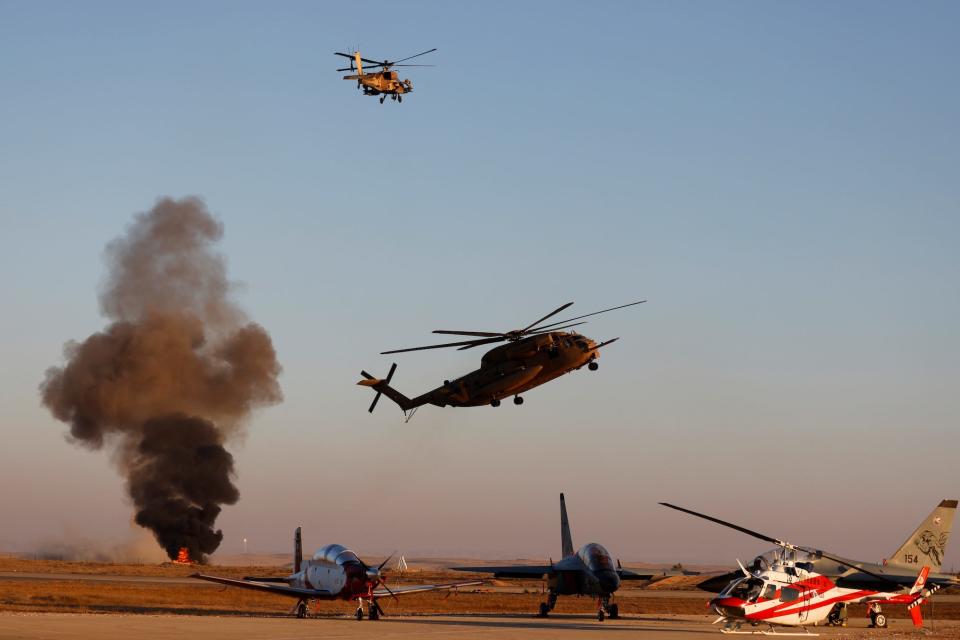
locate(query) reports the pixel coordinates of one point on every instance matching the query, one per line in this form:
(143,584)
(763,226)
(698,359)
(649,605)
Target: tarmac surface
(66,626)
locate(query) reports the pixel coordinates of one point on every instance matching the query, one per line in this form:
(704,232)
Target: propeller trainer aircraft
(590,571)
(381,83)
(800,586)
(334,573)
(533,355)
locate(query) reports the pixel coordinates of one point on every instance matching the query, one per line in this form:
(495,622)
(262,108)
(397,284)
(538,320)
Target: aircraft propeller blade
(377,605)
(589,314)
(386,561)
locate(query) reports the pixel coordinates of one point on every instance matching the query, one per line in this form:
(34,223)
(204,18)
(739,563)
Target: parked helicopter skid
(381,83)
(534,355)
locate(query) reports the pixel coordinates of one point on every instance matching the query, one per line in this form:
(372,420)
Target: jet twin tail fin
(926,545)
(297,551)
(566,540)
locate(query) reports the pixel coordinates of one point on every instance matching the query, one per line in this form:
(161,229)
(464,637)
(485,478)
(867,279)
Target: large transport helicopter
(383,82)
(799,586)
(334,573)
(588,571)
(533,355)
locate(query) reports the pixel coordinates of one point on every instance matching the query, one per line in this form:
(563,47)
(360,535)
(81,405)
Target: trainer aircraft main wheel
(359,613)
(593,366)
(614,611)
(302,610)
(517,400)
(544,609)
(494,403)
(600,615)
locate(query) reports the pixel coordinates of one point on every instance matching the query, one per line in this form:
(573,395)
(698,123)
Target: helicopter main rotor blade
(566,326)
(468,343)
(351,56)
(417,55)
(482,334)
(848,563)
(755,534)
(589,314)
(413,65)
(477,343)
(549,315)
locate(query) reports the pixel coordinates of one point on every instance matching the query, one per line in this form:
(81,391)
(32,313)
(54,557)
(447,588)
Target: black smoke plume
(172,378)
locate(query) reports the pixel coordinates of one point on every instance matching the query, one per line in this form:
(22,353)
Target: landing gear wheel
(359,613)
(879,620)
(399,98)
(593,366)
(544,610)
(517,400)
(613,611)
(382,98)
(373,614)
(302,610)
(494,403)
(600,615)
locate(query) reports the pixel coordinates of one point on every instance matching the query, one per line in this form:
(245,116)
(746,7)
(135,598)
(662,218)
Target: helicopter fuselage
(381,82)
(515,367)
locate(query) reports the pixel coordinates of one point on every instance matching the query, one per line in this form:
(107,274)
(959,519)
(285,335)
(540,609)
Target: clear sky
(780,180)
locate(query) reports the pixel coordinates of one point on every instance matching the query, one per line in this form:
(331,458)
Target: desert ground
(62,599)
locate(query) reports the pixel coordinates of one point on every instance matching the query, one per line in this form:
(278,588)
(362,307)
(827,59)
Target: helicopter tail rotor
(382,386)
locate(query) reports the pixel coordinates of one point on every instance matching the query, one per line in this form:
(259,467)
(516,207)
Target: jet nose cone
(609,581)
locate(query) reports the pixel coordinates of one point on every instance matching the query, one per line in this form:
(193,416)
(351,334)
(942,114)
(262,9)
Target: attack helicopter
(384,82)
(797,586)
(533,355)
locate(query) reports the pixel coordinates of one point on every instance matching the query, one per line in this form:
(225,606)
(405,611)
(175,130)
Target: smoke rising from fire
(172,378)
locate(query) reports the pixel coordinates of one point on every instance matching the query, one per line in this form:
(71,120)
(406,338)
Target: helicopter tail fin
(383,387)
(927,543)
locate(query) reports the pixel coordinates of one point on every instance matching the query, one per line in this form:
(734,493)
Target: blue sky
(779,180)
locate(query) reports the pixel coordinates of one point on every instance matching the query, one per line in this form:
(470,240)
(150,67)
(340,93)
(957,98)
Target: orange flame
(183,557)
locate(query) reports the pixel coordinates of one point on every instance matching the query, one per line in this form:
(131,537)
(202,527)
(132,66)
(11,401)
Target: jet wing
(281,589)
(420,588)
(531,572)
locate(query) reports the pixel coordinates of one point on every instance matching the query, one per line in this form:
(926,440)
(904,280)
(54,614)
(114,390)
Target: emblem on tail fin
(931,546)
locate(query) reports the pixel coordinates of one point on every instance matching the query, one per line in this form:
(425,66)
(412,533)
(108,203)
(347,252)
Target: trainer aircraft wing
(420,588)
(529,571)
(281,589)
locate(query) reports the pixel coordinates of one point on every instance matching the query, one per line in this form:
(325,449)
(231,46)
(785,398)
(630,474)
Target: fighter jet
(590,571)
(334,573)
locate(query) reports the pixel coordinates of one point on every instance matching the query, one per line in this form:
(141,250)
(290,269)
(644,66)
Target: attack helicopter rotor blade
(549,315)
(417,55)
(468,343)
(590,314)
(566,326)
(755,534)
(413,65)
(482,334)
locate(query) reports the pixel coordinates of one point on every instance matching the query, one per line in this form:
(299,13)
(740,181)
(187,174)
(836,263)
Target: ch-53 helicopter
(381,83)
(533,355)
(797,586)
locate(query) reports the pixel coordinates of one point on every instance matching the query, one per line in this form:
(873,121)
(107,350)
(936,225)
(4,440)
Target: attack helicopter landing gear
(301,609)
(517,400)
(382,98)
(399,98)
(495,402)
(593,365)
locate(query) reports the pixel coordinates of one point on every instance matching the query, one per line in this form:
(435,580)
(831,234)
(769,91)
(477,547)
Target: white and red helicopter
(334,573)
(784,588)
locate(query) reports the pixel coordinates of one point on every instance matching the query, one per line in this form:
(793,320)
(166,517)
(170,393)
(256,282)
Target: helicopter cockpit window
(748,590)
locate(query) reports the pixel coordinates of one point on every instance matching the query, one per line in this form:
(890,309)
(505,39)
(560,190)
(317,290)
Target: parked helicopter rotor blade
(848,563)
(468,343)
(749,532)
(590,314)
(482,334)
(549,315)
(417,55)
